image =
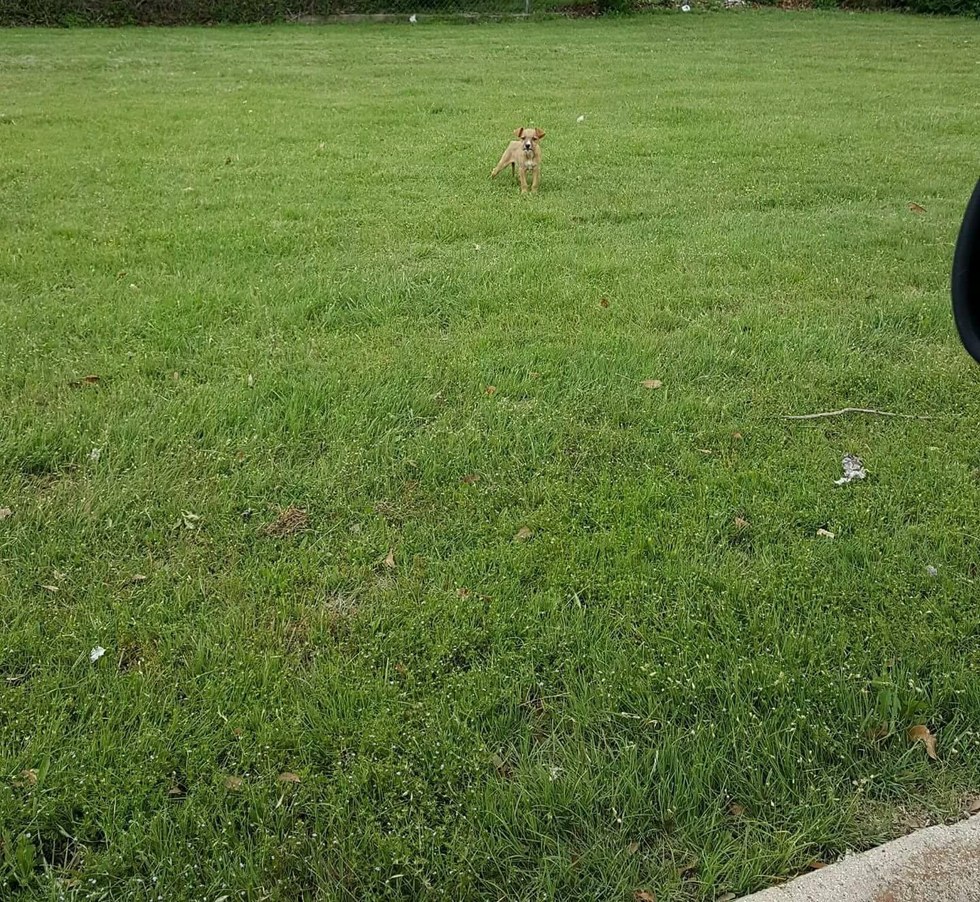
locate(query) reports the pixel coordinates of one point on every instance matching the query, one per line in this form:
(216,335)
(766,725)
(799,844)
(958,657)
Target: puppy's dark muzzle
(528,146)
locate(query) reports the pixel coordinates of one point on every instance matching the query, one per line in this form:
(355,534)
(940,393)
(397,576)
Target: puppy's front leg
(522,174)
(535,177)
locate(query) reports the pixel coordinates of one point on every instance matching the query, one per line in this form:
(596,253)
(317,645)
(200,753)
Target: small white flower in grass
(95,454)
(96,653)
(932,571)
(413,19)
(580,119)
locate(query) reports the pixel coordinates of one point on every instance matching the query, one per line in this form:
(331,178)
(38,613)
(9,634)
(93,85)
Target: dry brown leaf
(491,390)
(651,383)
(736,810)
(644,895)
(924,735)
(470,479)
(289,777)
(877,732)
(234,783)
(137,578)
(737,436)
(28,777)
(917,208)
(500,766)
(176,791)
(289,521)
(632,848)
(603,302)
(741,523)
(816,865)
(389,560)
(463,592)
(826,533)
(726,897)
(5,512)
(51,589)
(523,534)
(972,804)
(534,375)
(91,379)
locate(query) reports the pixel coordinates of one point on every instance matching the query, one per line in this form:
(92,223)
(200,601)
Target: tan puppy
(522,155)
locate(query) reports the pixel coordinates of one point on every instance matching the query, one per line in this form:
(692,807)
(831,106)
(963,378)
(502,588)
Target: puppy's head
(528,137)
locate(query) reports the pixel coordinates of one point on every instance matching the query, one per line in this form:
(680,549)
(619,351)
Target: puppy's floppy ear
(538,134)
(518,132)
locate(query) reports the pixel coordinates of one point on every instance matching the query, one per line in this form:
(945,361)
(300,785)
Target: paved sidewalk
(939,864)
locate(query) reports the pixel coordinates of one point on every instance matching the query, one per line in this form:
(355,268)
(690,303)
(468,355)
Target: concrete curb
(939,864)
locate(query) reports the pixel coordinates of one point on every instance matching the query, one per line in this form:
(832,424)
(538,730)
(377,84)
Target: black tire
(966,278)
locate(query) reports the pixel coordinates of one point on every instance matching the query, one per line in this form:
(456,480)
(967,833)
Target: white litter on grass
(685,8)
(853,469)
(729,4)
(932,571)
(413,19)
(95,454)
(580,119)
(96,653)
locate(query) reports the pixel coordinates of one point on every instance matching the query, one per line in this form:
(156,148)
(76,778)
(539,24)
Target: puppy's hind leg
(504,160)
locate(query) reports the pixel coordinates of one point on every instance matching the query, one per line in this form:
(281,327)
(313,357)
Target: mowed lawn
(408,586)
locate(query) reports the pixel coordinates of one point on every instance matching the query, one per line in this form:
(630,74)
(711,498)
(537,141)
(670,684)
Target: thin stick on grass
(844,410)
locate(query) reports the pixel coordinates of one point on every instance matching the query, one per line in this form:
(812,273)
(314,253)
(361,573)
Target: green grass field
(545,633)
